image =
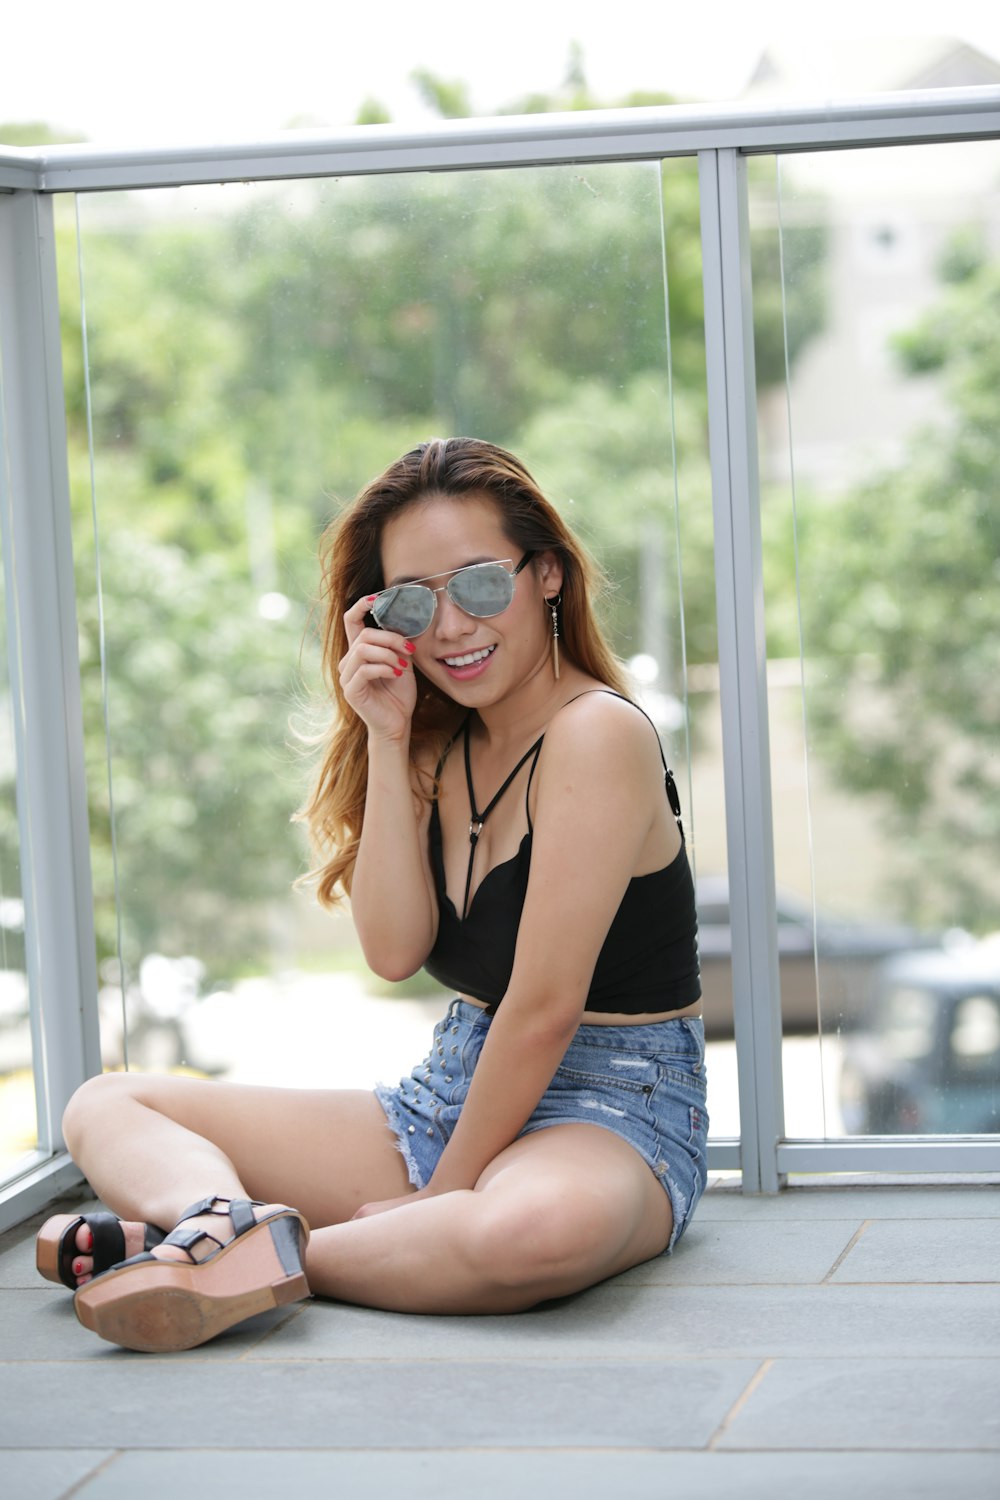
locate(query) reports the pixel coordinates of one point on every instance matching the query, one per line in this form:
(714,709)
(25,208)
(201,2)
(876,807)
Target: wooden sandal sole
(48,1244)
(164,1306)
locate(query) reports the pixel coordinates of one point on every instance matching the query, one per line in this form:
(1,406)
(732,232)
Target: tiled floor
(838,1340)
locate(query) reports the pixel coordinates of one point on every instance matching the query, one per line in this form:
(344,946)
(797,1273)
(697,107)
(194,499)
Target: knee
(91,1101)
(545,1246)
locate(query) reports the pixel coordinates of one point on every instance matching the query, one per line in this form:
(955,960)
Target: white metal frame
(45,683)
(34,500)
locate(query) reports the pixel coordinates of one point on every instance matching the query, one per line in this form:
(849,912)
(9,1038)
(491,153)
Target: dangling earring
(553,605)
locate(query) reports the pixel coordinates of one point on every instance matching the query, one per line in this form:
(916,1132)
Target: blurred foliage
(36,133)
(200,691)
(909,703)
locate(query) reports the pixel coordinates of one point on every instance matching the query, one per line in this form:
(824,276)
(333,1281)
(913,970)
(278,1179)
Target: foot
(218,1225)
(227,1262)
(83,1262)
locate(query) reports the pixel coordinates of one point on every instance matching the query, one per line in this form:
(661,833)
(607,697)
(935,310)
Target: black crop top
(649,961)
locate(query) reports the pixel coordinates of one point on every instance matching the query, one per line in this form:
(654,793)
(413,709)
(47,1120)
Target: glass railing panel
(18,1115)
(878,463)
(255,354)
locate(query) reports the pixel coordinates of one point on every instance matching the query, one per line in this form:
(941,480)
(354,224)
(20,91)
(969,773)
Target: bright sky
(124,72)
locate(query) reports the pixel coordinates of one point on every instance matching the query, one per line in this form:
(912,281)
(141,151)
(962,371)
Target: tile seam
(856,1236)
(739,1403)
(93,1473)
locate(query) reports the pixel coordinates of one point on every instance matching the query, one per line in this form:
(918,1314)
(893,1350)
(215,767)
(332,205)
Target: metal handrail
(517,140)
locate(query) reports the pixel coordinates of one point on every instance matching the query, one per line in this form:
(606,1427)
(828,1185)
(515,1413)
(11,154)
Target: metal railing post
(44,664)
(742,660)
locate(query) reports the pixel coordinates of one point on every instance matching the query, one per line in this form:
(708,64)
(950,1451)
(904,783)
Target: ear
(550,572)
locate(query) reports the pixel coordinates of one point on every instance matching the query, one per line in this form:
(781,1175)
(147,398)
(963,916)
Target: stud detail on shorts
(412,1129)
(447,1078)
(429,1130)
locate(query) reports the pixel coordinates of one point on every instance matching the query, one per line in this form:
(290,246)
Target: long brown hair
(350,555)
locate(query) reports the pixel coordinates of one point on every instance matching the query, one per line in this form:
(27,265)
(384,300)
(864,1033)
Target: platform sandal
(56,1248)
(160,1306)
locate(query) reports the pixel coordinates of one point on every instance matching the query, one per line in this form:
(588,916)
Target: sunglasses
(481,590)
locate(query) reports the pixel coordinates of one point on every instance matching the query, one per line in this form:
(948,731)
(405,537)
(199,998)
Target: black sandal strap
(108,1238)
(242,1215)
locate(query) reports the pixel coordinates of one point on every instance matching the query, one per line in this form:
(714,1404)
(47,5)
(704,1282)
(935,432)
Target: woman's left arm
(598,779)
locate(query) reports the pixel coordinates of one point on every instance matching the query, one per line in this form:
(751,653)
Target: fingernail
(409,646)
(402,661)
(398,671)
(370,599)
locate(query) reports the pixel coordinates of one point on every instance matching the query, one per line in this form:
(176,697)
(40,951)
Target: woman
(496,809)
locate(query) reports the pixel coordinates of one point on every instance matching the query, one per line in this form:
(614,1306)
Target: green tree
(200,690)
(908,706)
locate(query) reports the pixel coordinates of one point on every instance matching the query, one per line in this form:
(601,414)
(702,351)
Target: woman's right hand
(377,675)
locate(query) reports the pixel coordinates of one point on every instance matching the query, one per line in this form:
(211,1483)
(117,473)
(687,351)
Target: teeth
(472,656)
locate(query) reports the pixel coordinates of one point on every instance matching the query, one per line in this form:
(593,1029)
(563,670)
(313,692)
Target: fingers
(354,618)
(370,645)
(373,656)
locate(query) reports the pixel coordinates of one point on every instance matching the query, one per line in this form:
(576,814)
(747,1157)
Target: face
(475,661)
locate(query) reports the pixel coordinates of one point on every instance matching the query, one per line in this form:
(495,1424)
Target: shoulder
(603,734)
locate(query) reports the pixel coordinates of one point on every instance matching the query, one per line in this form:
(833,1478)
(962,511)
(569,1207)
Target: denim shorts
(646,1083)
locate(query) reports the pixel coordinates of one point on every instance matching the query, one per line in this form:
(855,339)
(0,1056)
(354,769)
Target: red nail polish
(402,661)
(77,1267)
(370,599)
(409,646)
(90,1239)
(398,671)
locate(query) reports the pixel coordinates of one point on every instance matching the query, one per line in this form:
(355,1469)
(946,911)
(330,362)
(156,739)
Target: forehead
(441,533)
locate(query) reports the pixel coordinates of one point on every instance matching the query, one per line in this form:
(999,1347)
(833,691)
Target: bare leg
(557,1211)
(150,1146)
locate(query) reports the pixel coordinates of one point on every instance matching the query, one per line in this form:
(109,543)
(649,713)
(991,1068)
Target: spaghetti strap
(447,749)
(477,819)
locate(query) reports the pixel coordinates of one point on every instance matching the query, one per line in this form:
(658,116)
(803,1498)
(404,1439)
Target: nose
(450,622)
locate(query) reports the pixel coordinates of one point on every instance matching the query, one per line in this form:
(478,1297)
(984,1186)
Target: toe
(83,1268)
(85,1239)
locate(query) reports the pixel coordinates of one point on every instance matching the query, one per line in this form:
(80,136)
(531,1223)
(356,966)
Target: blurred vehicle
(162,1009)
(848,954)
(928,1061)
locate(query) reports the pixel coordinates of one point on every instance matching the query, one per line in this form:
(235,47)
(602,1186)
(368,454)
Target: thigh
(582,1197)
(325,1151)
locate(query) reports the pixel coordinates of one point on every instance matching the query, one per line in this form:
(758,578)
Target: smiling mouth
(470,658)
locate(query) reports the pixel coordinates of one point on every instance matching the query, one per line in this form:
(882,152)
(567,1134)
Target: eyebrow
(473,563)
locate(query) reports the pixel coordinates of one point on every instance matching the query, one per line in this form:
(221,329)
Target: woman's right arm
(392,893)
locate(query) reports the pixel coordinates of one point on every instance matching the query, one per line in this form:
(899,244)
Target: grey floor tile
(615,1322)
(937,1404)
(42,1327)
(938,1250)
(494,1475)
(156,1403)
(46,1474)
(17,1246)
(952,1202)
(17,1264)
(724,1252)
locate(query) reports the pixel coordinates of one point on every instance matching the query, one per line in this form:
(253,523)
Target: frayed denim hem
(385,1096)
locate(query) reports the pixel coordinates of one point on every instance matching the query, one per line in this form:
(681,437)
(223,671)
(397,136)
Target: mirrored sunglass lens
(408,608)
(483,591)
